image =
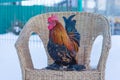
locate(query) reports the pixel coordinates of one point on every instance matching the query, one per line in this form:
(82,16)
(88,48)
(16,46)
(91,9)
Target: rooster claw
(75,67)
(53,66)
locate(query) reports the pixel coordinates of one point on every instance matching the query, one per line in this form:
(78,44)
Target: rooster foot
(75,67)
(53,66)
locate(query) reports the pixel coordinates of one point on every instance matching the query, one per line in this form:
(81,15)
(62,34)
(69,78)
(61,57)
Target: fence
(13,17)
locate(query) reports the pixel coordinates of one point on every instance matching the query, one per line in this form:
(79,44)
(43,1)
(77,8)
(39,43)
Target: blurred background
(15,13)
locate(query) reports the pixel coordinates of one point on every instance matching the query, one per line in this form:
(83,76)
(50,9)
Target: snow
(10,66)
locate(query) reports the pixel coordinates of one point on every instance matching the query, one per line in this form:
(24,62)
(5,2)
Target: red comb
(52,17)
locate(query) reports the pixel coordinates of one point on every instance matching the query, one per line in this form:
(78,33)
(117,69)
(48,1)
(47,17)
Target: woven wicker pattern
(89,25)
(62,75)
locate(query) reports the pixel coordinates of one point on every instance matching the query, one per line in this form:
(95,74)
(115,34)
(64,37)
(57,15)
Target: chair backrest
(89,25)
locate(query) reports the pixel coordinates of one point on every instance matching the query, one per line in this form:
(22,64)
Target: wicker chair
(89,25)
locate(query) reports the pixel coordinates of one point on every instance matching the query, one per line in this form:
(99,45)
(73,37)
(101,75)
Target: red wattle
(50,27)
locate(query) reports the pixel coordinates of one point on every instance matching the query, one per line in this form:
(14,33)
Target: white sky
(90,3)
(40,2)
(101,4)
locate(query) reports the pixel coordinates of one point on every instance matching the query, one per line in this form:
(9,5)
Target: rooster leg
(54,66)
(75,67)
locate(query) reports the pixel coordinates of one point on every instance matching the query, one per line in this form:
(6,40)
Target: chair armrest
(22,45)
(106,45)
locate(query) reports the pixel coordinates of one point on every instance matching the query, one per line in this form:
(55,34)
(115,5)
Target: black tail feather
(70,24)
(70,28)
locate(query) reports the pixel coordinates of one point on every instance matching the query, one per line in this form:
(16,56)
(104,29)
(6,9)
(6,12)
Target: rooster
(63,44)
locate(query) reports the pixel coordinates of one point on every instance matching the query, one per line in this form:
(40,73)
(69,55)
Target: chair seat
(62,75)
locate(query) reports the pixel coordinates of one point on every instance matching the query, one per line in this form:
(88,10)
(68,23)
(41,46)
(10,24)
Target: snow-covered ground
(10,67)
